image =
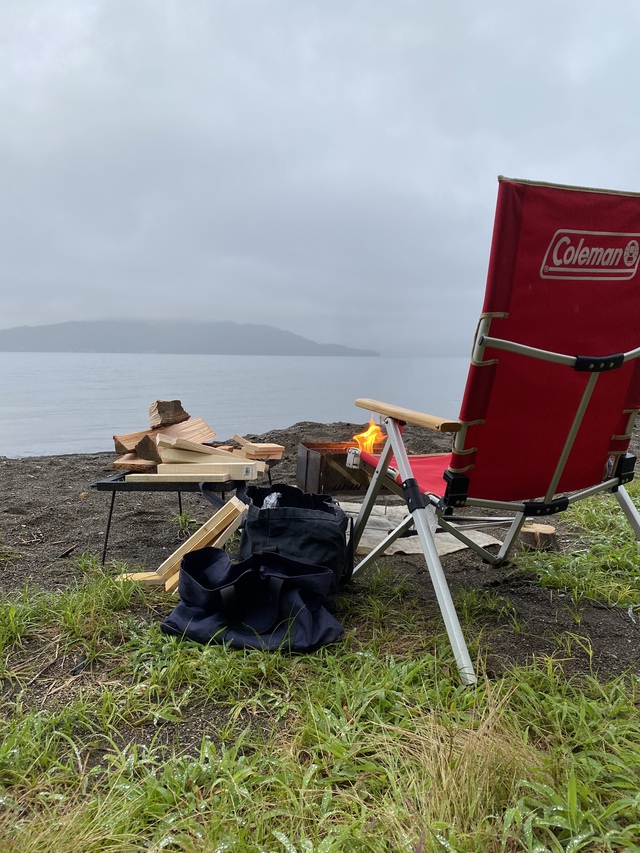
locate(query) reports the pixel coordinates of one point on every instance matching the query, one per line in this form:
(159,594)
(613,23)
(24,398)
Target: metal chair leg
(441,588)
(629,509)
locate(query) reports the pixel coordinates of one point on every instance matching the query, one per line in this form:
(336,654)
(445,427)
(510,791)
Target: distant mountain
(219,338)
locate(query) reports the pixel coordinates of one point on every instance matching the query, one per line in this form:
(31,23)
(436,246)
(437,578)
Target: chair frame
(403,482)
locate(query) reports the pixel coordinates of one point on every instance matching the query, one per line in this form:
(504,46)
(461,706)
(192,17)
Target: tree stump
(540,537)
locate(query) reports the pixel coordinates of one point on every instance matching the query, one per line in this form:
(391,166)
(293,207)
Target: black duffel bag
(302,526)
(265,602)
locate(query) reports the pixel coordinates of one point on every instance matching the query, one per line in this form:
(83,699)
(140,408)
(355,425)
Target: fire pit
(322,466)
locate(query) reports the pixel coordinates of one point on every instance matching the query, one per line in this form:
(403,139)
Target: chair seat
(428,470)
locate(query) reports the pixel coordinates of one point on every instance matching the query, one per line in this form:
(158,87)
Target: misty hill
(219,338)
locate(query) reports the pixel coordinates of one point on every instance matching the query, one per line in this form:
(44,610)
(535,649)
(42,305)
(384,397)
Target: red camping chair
(553,388)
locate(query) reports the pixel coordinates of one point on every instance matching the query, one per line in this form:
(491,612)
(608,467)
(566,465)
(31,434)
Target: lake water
(53,403)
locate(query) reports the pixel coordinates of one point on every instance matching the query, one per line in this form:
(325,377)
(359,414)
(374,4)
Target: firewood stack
(177,447)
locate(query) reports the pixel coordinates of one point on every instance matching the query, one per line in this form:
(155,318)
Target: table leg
(106,533)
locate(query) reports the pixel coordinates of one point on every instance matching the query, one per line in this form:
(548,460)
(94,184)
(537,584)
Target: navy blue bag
(267,601)
(302,526)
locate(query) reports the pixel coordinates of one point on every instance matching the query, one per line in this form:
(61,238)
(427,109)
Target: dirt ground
(50,514)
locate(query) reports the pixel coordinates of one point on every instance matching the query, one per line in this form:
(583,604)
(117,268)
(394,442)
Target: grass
(604,563)
(115,737)
(185,523)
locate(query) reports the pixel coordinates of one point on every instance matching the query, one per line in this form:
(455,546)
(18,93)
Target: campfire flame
(370,437)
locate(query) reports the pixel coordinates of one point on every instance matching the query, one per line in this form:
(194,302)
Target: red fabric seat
(428,470)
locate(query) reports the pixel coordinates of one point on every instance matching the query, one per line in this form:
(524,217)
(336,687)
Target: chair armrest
(409,415)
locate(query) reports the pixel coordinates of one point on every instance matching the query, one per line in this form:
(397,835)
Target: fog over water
(52,403)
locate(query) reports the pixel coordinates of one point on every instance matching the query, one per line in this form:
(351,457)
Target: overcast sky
(325,166)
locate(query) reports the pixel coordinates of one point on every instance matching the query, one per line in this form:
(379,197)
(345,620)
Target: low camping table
(117,484)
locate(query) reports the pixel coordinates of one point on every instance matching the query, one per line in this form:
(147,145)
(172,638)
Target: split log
(166,412)
(195,429)
(127,442)
(132,462)
(541,537)
(147,448)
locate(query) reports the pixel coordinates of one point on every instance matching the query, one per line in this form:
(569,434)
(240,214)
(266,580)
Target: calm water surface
(52,403)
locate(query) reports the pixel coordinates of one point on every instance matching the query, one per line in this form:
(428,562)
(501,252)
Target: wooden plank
(176,443)
(228,451)
(178,478)
(235,451)
(256,445)
(146,578)
(166,412)
(170,455)
(262,450)
(264,454)
(132,462)
(209,531)
(171,584)
(241,470)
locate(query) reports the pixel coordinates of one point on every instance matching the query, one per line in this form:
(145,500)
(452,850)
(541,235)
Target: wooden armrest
(409,415)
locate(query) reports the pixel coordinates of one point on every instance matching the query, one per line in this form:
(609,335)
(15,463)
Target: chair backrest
(563,278)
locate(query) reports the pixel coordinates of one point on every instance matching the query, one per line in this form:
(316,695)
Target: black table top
(117,483)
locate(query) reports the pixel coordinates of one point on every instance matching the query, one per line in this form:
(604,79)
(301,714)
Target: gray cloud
(324,167)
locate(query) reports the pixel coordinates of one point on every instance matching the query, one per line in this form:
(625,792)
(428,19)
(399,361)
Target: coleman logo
(591,255)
